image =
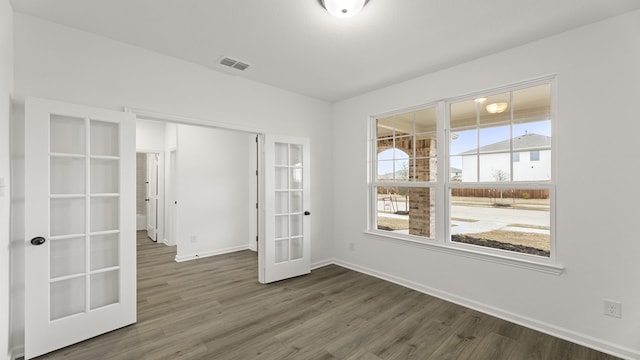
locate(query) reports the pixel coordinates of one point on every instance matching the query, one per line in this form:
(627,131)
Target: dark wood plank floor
(214,308)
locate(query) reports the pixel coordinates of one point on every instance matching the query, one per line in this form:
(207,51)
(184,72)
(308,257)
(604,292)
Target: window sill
(544,267)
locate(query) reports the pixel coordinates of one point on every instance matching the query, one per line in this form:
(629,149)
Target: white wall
(60,63)
(598,127)
(213,183)
(6,89)
(150,136)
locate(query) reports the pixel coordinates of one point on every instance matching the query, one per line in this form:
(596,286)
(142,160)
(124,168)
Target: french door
(285,251)
(80,276)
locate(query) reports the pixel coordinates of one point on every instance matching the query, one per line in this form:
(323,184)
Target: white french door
(152,196)
(285,251)
(80,275)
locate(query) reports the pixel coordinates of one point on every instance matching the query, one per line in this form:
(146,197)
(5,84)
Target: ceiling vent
(233,63)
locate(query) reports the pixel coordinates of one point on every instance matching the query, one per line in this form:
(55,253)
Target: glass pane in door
(104,138)
(104,176)
(84,204)
(105,214)
(67,175)
(104,251)
(67,216)
(296,248)
(105,289)
(67,135)
(67,297)
(289,207)
(67,257)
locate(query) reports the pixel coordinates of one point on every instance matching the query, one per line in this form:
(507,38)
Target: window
(494,201)
(534,155)
(403,193)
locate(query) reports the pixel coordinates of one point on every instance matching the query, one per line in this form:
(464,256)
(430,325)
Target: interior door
(285,251)
(80,276)
(152,196)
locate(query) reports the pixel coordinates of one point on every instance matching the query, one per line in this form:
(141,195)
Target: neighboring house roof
(455,170)
(522,142)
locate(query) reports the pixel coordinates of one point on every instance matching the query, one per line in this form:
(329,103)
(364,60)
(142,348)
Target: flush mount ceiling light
(497,108)
(343,8)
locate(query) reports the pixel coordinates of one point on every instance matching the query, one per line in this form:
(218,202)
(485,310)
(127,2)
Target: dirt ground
(522,241)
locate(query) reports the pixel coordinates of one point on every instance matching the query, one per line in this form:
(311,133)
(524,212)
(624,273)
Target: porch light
(496,108)
(343,8)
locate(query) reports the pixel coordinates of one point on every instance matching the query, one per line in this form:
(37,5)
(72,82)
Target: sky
(466,140)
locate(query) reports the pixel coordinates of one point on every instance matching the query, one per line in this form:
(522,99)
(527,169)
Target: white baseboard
(141,222)
(321,263)
(210,253)
(166,242)
(562,333)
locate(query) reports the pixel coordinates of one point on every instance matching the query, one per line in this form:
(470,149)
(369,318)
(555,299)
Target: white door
(152,196)
(80,255)
(285,251)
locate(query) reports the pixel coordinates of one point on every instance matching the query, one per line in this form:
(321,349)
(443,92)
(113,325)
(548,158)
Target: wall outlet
(613,308)
(194,238)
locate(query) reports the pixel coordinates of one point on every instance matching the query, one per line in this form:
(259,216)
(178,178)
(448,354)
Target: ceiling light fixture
(343,8)
(497,108)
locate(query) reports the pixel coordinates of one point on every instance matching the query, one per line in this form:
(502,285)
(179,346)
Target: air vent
(233,63)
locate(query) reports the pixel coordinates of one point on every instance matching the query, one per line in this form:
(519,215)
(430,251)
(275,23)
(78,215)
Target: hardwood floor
(214,308)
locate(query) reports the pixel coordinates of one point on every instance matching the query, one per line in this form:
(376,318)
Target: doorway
(209,206)
(149,197)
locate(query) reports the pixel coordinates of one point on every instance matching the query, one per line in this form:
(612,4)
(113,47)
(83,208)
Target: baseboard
(16,352)
(210,253)
(562,333)
(321,263)
(166,242)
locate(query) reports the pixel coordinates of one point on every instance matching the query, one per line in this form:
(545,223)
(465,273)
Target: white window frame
(442,240)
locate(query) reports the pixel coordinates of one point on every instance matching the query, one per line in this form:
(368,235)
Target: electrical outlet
(194,238)
(613,308)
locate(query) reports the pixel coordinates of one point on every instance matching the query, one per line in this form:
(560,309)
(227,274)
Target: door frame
(184,120)
(160,210)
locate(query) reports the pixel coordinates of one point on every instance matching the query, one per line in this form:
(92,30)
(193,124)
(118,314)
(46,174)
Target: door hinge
(256,205)
(256,172)
(256,139)
(256,238)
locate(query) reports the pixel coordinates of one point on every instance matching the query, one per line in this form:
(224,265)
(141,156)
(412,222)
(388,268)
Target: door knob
(37,241)
(307,213)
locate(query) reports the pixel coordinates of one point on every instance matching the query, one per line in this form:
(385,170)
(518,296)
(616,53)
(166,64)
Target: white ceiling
(296,45)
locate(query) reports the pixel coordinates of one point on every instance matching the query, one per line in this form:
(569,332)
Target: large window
(496,194)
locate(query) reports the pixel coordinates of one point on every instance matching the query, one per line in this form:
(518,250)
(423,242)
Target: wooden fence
(494,193)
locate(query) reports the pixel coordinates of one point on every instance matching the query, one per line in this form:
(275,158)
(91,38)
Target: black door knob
(37,241)
(307,213)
